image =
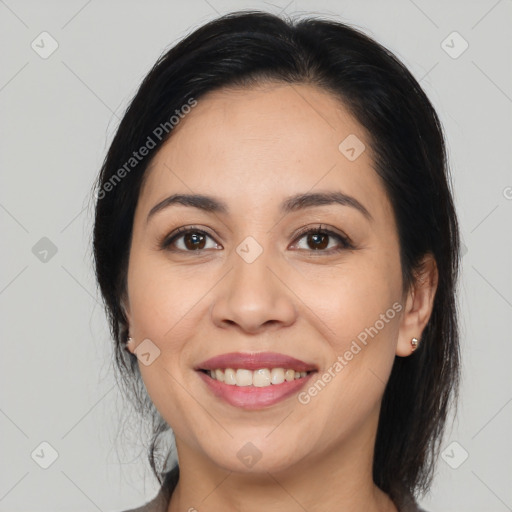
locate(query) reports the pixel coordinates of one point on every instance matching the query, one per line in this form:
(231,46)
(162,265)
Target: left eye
(318,240)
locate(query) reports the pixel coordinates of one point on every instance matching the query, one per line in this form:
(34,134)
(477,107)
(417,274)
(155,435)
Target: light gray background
(58,116)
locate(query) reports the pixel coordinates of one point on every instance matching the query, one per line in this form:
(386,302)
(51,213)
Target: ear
(419,305)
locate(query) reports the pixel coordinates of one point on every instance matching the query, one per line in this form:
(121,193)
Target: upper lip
(255,361)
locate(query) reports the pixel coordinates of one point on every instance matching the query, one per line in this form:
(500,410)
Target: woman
(277,248)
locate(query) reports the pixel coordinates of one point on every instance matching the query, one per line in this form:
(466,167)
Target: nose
(253,297)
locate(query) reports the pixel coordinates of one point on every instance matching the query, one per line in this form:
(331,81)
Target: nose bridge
(252,282)
(251,271)
(252,295)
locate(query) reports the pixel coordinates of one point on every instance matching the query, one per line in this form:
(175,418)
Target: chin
(256,454)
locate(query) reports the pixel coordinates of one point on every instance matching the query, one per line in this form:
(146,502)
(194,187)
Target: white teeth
(277,376)
(260,378)
(229,376)
(243,377)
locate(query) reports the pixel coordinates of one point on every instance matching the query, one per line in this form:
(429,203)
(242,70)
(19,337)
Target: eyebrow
(291,204)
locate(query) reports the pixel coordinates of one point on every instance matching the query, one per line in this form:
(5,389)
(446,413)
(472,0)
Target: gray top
(161,501)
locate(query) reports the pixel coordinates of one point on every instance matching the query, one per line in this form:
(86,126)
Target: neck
(339,478)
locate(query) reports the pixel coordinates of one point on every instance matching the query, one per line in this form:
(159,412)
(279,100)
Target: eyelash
(344,241)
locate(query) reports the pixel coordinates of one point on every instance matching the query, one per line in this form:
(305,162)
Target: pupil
(195,237)
(316,237)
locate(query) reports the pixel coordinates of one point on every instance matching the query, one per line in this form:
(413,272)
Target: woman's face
(248,279)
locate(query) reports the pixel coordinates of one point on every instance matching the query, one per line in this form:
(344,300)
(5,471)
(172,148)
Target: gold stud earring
(414,343)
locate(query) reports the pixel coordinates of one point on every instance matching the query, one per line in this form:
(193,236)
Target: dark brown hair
(246,48)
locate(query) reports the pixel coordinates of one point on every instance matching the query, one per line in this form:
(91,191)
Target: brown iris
(315,237)
(194,240)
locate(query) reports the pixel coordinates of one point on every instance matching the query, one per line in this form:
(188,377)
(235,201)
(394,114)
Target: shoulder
(409,504)
(160,502)
(412,507)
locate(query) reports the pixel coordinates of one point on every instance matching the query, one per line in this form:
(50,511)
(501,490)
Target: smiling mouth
(260,378)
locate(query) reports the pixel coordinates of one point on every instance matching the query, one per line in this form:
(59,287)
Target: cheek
(161,297)
(351,297)
(162,304)
(358,314)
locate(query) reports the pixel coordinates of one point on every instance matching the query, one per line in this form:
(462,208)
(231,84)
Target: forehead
(255,145)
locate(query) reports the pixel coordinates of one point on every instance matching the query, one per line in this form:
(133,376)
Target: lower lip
(252,397)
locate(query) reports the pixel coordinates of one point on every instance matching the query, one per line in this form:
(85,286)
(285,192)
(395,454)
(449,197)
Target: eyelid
(345,240)
(346,243)
(167,240)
